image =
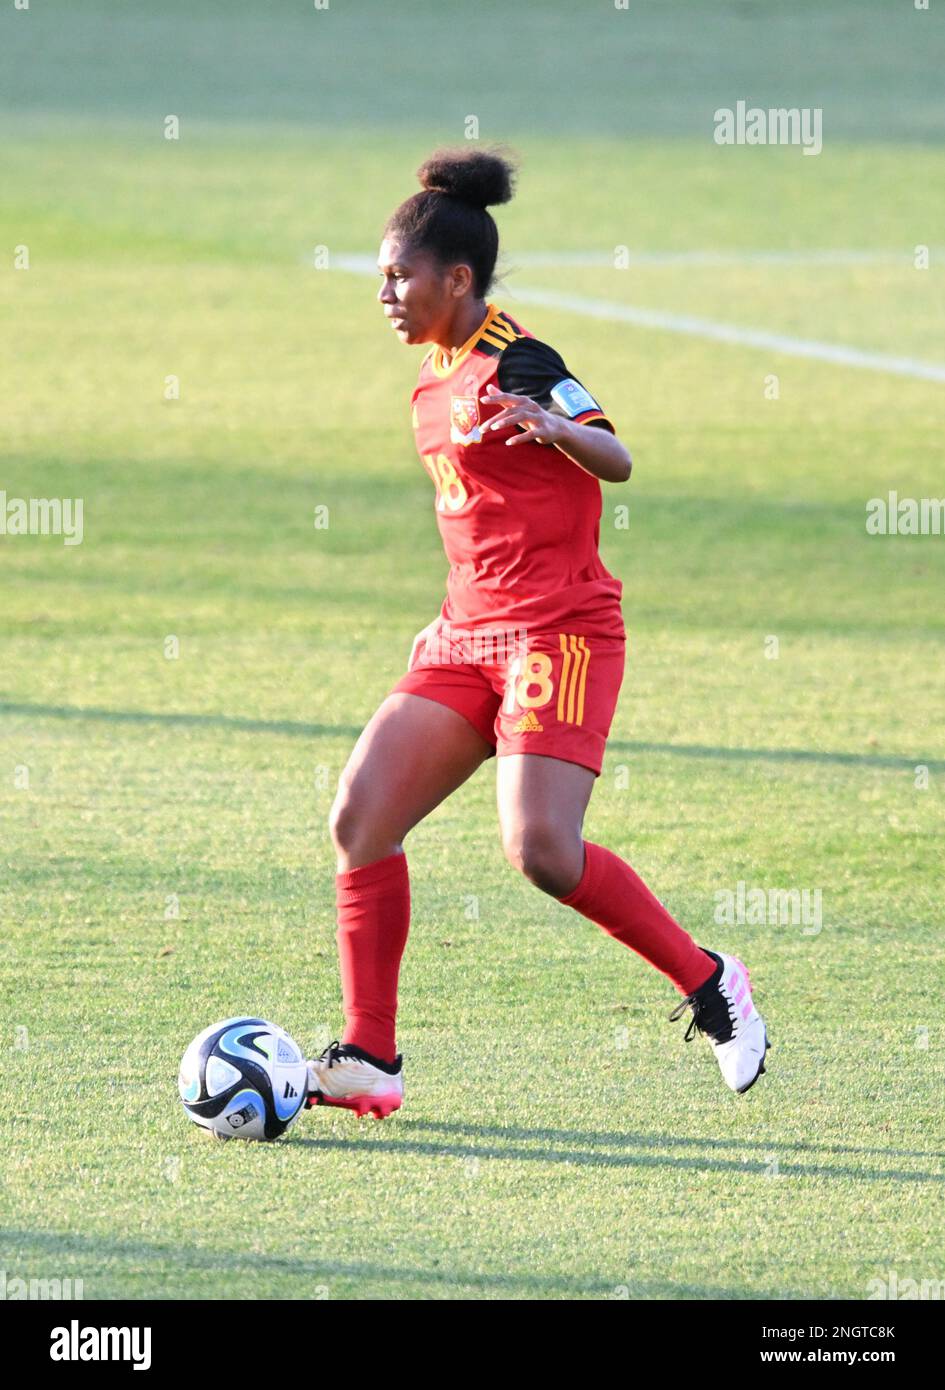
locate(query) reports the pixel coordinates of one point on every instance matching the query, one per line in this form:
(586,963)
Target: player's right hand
(418,643)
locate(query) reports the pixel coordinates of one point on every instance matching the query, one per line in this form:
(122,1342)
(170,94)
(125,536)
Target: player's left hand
(537,424)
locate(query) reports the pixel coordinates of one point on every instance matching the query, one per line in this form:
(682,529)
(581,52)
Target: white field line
(839,354)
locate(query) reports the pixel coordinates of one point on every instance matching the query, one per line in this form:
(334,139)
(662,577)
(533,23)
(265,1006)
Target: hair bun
(478,177)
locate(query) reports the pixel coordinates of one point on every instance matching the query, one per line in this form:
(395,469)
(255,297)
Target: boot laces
(332,1053)
(713,1013)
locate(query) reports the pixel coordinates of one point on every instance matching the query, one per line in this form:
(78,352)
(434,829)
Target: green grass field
(168,861)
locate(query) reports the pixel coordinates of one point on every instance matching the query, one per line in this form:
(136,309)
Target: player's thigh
(410,756)
(551,730)
(541,803)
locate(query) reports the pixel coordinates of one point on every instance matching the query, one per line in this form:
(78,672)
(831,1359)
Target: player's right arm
(597,451)
(550,406)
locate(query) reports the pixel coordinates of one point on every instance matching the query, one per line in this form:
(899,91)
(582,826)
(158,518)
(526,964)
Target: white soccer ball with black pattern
(243,1078)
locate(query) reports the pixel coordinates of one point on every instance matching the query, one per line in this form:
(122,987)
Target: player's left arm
(549,406)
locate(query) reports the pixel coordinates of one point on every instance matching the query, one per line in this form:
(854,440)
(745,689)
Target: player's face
(416,294)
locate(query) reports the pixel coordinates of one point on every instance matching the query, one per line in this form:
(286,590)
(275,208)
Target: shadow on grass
(296,729)
(662,1141)
(778,755)
(538,1150)
(238,723)
(230,1263)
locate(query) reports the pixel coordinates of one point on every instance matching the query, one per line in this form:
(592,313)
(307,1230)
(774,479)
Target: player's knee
(346,821)
(358,833)
(547,855)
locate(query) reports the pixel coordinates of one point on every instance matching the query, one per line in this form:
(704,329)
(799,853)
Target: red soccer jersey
(520,526)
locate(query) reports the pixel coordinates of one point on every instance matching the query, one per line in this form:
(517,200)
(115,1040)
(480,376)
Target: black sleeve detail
(529,367)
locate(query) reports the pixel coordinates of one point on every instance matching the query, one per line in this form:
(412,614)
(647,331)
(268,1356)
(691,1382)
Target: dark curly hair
(449,216)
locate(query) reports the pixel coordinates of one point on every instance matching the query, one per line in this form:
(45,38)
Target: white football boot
(348,1076)
(724,1011)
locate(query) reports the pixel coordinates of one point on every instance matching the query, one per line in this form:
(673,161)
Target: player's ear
(462,280)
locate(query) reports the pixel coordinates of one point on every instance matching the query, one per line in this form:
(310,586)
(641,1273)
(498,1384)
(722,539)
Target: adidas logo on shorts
(528,724)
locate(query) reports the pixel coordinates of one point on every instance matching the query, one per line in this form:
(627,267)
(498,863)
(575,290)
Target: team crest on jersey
(464,415)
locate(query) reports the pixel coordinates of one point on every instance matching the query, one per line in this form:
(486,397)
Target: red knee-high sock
(373,920)
(618,900)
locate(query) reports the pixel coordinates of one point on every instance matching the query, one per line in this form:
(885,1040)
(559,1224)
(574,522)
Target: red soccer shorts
(551,693)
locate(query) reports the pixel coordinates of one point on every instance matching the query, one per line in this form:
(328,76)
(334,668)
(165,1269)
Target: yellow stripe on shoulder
(504,330)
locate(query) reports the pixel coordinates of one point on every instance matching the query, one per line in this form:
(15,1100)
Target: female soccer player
(525,659)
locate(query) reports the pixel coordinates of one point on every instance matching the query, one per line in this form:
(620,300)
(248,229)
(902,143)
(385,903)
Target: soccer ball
(243,1078)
